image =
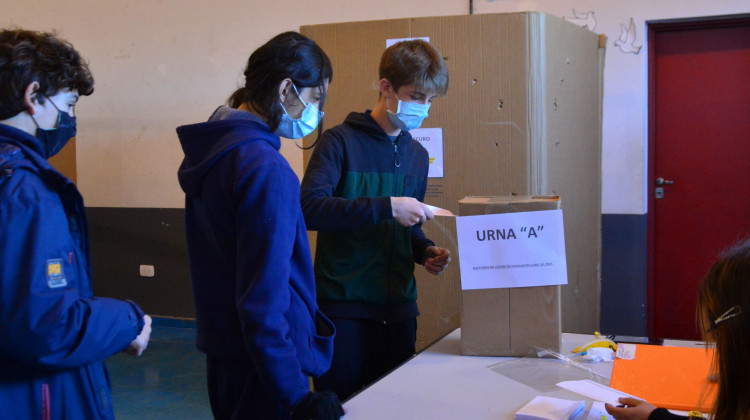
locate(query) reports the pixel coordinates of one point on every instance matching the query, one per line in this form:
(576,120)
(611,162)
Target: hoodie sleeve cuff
(136,317)
(383,210)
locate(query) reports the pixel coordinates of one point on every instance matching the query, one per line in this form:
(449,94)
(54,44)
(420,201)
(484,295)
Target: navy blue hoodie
(250,260)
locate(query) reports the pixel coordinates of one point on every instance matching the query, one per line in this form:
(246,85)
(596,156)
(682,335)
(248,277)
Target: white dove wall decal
(583,19)
(627,37)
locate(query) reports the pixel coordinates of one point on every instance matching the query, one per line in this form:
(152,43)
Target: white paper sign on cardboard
(512,250)
(432,140)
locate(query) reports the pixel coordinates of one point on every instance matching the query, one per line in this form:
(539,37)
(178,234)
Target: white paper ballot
(437,211)
(549,408)
(512,250)
(594,390)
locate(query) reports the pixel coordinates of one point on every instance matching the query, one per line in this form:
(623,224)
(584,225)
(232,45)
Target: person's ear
(284,88)
(385,87)
(31,98)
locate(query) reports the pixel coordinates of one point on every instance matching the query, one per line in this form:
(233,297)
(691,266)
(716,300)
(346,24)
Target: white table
(439,383)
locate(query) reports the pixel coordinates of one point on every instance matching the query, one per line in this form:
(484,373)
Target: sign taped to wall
(432,140)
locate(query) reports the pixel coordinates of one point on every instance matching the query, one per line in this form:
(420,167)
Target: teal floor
(167,382)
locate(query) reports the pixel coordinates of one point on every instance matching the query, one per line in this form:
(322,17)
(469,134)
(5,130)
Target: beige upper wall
(163,63)
(159,64)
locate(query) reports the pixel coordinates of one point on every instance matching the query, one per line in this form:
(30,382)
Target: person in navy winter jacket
(54,334)
(250,264)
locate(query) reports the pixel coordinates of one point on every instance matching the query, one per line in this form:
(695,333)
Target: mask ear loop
(730,313)
(296,92)
(398,107)
(56,108)
(298,95)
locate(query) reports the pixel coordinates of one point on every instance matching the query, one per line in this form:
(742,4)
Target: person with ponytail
(257,318)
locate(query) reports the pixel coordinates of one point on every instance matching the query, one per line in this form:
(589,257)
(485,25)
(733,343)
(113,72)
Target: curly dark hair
(31,56)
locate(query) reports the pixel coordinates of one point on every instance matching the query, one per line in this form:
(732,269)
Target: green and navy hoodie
(364,262)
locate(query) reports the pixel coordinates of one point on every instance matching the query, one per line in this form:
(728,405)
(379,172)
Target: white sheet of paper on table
(549,408)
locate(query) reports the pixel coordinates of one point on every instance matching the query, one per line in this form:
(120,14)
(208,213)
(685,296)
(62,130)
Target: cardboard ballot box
(509,321)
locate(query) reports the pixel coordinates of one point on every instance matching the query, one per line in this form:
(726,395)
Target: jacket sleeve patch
(55,274)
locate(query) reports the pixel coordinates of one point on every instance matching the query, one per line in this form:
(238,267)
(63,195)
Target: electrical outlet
(147,270)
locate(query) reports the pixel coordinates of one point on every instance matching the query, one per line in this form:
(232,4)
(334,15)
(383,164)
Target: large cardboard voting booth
(522,117)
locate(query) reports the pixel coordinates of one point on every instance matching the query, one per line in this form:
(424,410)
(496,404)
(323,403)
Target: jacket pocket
(313,339)
(101,392)
(321,345)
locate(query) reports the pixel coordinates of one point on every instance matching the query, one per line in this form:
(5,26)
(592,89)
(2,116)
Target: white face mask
(304,125)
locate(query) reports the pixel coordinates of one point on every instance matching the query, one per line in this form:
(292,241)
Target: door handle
(662,181)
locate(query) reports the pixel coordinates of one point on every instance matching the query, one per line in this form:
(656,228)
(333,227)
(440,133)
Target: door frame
(653,28)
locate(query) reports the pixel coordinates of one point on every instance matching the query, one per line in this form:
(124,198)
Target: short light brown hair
(414,62)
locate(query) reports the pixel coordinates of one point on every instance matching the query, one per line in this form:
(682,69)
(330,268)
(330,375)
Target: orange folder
(669,377)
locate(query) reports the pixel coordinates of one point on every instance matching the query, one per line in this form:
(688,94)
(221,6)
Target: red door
(699,144)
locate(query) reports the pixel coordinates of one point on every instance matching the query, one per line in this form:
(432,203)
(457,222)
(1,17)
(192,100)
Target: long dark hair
(724,317)
(287,55)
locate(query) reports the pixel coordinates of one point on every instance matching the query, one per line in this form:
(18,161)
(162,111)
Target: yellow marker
(599,341)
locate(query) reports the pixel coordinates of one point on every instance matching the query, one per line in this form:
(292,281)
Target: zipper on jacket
(396,161)
(45,402)
(395,228)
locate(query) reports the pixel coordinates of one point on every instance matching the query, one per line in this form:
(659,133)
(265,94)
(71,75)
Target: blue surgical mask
(302,126)
(409,115)
(55,139)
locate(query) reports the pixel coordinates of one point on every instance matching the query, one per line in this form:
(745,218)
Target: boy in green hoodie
(363,191)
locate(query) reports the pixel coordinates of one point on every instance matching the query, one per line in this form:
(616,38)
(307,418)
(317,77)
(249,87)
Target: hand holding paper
(409,211)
